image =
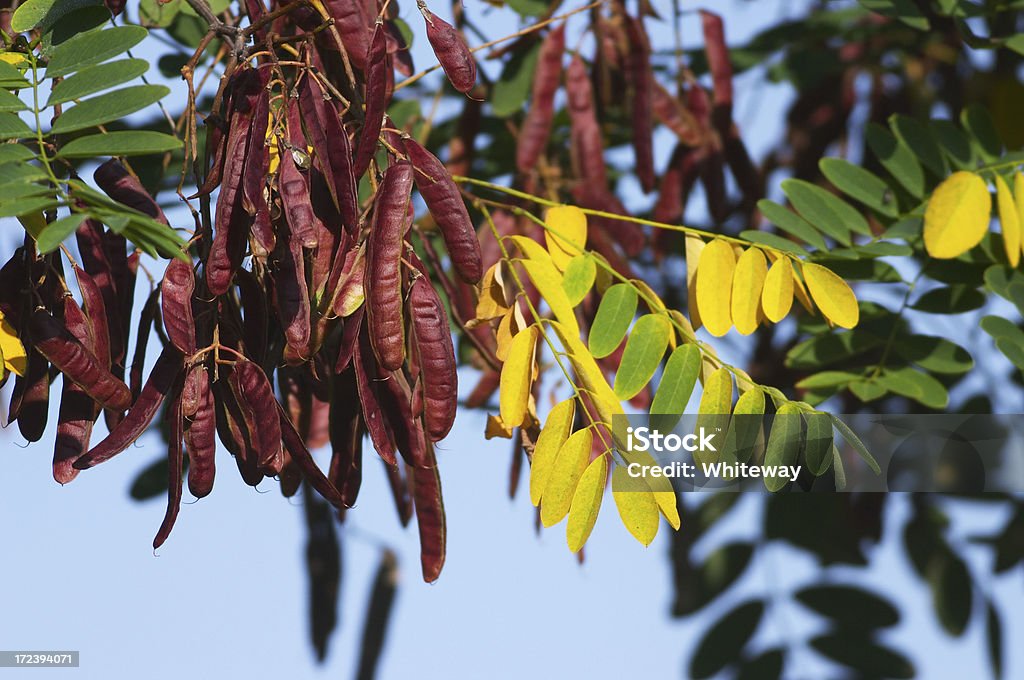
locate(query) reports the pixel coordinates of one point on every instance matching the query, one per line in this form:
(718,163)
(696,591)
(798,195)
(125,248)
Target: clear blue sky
(226,595)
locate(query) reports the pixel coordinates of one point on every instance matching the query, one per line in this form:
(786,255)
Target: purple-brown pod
(96,310)
(291,293)
(200,435)
(437,358)
(77,409)
(367,383)
(426,485)
(176,291)
(304,460)
(346,435)
(638,64)
(536,130)
(451,51)
(256,398)
(233,433)
(125,188)
(174,474)
(376,100)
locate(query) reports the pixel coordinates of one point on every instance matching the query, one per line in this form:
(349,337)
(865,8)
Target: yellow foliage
(565,476)
(13,352)
(552,437)
(586,503)
(516,377)
(957,216)
(747,283)
(1009,220)
(833,297)
(714,286)
(777,295)
(637,506)
(568,234)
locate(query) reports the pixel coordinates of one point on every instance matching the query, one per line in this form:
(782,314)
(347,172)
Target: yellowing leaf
(714,287)
(508,328)
(747,283)
(552,437)
(777,295)
(565,476)
(14,355)
(714,409)
(579,278)
(694,248)
(516,376)
(644,349)
(833,297)
(1009,220)
(957,216)
(1018,195)
(491,303)
(590,374)
(566,235)
(637,506)
(548,281)
(586,503)
(496,428)
(800,293)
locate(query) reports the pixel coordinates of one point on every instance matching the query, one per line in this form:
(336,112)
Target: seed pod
(77,410)
(585,139)
(258,404)
(533,136)
(675,116)
(383,278)
(125,188)
(376,102)
(445,204)
(95,308)
(338,153)
(233,434)
(437,358)
(451,51)
(314,110)
(426,484)
(176,291)
(257,166)
(30,400)
(366,382)
(346,436)
(354,26)
(146,320)
(253,299)
(349,340)
(291,293)
(215,150)
(192,390)
(395,398)
(174,473)
(160,383)
(304,460)
(76,362)
(399,493)
(293,184)
(638,65)
(200,441)
(398,50)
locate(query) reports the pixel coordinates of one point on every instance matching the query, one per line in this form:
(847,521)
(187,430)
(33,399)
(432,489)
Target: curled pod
(176,291)
(77,409)
(259,407)
(383,277)
(175,466)
(376,101)
(125,188)
(451,51)
(446,205)
(533,136)
(437,358)
(161,381)
(200,435)
(426,492)
(76,362)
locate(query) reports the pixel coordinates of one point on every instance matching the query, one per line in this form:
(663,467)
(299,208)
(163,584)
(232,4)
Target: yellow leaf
(714,286)
(548,281)
(667,503)
(957,216)
(801,294)
(1009,219)
(714,409)
(660,487)
(565,476)
(491,304)
(833,297)
(747,282)
(586,503)
(1018,195)
(508,328)
(567,234)
(777,296)
(516,376)
(552,437)
(496,428)
(694,248)
(14,355)
(594,380)
(637,506)
(15,59)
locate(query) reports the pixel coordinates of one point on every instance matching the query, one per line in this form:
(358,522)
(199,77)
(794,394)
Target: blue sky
(226,595)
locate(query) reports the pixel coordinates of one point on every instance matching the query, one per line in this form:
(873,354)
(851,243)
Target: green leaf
(19,172)
(920,139)
(676,387)
(955,144)
(783,442)
(915,385)
(96,79)
(897,159)
(950,300)
(818,443)
(904,10)
(615,313)
(45,13)
(745,435)
(862,654)
(12,127)
(822,350)
(121,143)
(158,14)
(14,152)
(640,359)
(934,354)
(774,241)
(952,591)
(851,607)
(788,221)
(108,107)
(55,233)
(578,278)
(853,440)
(860,184)
(18,191)
(1009,338)
(11,78)
(883,249)
(721,569)
(91,48)
(27,205)
(827,379)
(868,390)
(512,88)
(978,124)
(723,643)
(825,210)
(862,270)
(528,8)
(11,102)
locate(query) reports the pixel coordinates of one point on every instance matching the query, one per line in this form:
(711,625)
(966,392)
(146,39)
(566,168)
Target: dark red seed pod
(399,493)
(96,309)
(451,51)
(176,291)
(215,150)
(398,49)
(367,383)
(259,406)
(674,115)
(338,152)
(641,75)
(257,166)
(430,518)
(395,397)
(174,474)
(292,293)
(533,136)
(376,102)
(437,358)
(30,400)
(125,188)
(446,205)
(233,433)
(192,390)
(77,409)
(718,63)
(314,111)
(349,340)
(262,233)
(383,277)
(13,285)
(354,24)
(93,254)
(304,460)
(346,436)
(200,437)
(147,317)
(76,362)
(161,381)
(255,315)
(293,183)
(585,141)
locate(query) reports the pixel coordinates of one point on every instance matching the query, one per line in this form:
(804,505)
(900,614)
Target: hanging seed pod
(354,26)
(125,188)
(176,291)
(451,50)
(259,407)
(146,320)
(174,474)
(533,136)
(585,138)
(257,166)
(638,64)
(383,278)
(293,183)
(292,293)
(304,460)
(346,434)
(376,102)
(200,432)
(437,358)
(233,433)
(367,383)
(93,254)
(426,484)
(445,203)
(30,400)
(77,409)
(192,390)
(255,315)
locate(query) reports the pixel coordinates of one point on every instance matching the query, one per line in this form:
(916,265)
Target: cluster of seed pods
(301,315)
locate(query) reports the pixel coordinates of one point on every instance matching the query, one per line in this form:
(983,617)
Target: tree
(312,301)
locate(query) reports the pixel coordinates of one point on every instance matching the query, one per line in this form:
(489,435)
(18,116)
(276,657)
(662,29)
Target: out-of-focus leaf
(915,385)
(826,211)
(950,300)
(790,222)
(851,607)
(774,241)
(821,350)
(934,354)
(723,643)
(952,592)
(977,121)
(920,139)
(513,87)
(864,655)
(897,159)
(860,184)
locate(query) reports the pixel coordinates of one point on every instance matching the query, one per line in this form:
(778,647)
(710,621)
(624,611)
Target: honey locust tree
(328,234)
